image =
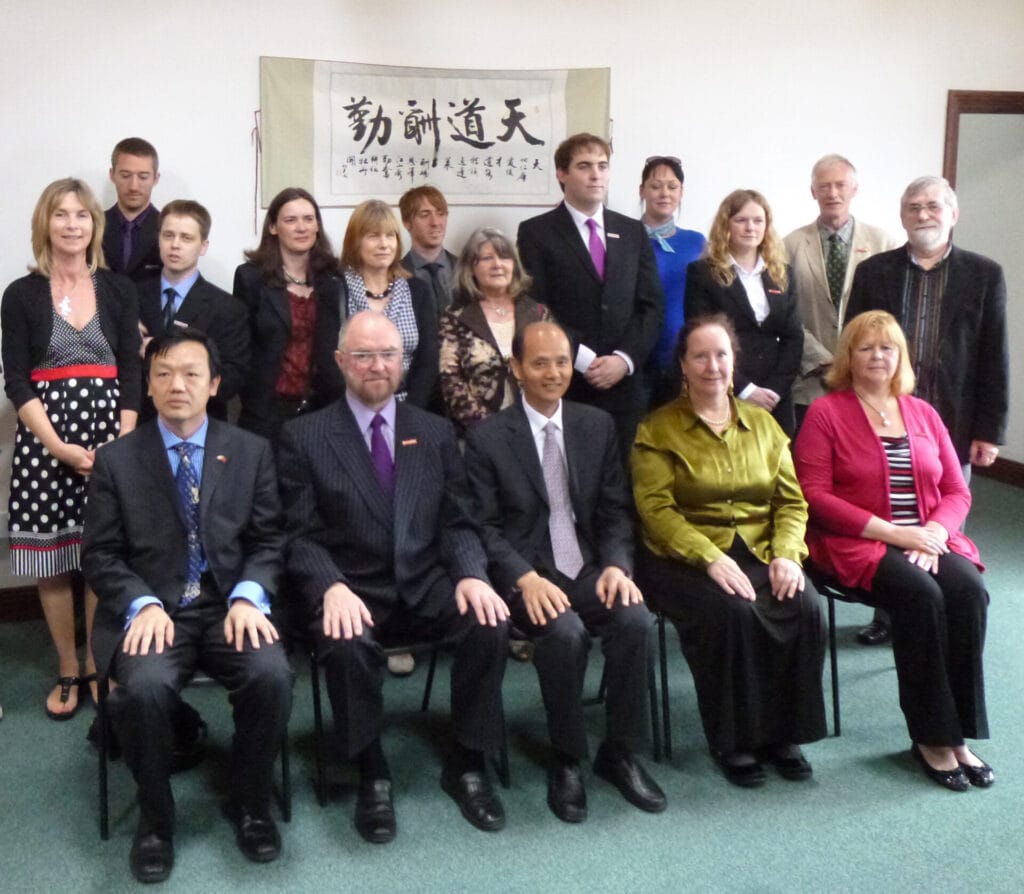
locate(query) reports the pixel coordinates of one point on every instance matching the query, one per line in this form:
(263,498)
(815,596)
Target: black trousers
(561,649)
(354,671)
(756,665)
(938,636)
(259,685)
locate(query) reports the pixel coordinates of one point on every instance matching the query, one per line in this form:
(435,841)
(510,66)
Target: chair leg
(430,679)
(286,780)
(103,689)
(652,697)
(666,723)
(502,763)
(320,782)
(834,663)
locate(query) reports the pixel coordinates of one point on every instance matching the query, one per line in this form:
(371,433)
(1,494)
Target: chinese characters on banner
(479,137)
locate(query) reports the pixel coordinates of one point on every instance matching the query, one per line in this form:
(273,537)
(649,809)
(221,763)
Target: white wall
(745,94)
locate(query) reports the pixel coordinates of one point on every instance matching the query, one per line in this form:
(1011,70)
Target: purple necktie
(127,243)
(596,247)
(383,464)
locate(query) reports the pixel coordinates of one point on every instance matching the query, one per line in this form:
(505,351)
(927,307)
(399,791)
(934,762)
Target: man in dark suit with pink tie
(596,271)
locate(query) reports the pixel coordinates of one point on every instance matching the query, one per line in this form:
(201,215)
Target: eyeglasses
(366,358)
(930,207)
(669,158)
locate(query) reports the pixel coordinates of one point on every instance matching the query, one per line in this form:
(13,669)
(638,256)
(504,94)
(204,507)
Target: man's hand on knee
(151,626)
(488,606)
(244,618)
(344,613)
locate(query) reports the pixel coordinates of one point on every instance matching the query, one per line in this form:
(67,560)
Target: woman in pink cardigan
(887,500)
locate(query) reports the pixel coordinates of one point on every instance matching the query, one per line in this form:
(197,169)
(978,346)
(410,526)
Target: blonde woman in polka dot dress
(71,369)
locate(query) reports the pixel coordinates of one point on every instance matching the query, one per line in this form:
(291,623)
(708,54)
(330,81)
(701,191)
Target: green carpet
(869,820)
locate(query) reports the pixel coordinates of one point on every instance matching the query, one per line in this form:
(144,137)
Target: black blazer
(421,382)
(973,369)
(625,312)
(213,311)
(770,352)
(511,501)
(343,528)
(145,259)
(270,324)
(26,317)
(135,535)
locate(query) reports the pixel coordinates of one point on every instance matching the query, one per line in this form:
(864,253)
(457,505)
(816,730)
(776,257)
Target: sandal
(65,684)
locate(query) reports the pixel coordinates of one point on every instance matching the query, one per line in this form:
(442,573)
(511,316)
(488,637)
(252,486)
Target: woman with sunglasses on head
(661,192)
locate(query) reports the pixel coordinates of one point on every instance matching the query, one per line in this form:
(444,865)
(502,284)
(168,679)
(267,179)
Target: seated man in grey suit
(552,498)
(383,551)
(183,546)
(179,296)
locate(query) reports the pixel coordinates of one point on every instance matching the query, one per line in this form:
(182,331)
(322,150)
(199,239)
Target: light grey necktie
(564,545)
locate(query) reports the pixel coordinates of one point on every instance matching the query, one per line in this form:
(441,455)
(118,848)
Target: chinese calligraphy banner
(481,137)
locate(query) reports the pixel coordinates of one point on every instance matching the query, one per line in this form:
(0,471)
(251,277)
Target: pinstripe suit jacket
(343,528)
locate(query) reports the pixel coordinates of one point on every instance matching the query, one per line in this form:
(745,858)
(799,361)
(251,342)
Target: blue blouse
(687,246)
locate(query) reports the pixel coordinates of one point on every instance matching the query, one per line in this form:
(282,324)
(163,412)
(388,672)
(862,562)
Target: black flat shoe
(877,633)
(790,762)
(624,771)
(567,797)
(750,775)
(980,777)
(375,811)
(955,780)
(476,799)
(152,858)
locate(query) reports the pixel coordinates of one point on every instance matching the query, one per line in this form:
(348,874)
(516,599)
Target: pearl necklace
(715,422)
(886,421)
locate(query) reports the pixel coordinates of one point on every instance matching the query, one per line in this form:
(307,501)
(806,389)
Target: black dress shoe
(955,780)
(472,791)
(567,797)
(877,633)
(980,777)
(622,770)
(255,832)
(375,811)
(745,775)
(790,763)
(151,858)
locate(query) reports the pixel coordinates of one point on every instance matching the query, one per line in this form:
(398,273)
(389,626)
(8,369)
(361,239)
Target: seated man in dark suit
(183,546)
(595,269)
(129,238)
(384,551)
(552,498)
(180,297)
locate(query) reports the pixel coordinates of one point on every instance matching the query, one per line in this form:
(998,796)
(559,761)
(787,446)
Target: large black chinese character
(419,122)
(379,125)
(514,122)
(473,124)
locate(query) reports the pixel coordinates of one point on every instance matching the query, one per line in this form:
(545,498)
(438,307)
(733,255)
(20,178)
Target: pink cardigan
(844,474)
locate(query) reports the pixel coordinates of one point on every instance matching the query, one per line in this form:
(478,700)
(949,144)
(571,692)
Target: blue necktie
(187,480)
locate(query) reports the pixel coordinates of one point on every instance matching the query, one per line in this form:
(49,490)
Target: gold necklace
(886,421)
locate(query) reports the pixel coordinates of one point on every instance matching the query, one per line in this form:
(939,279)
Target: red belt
(81,371)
